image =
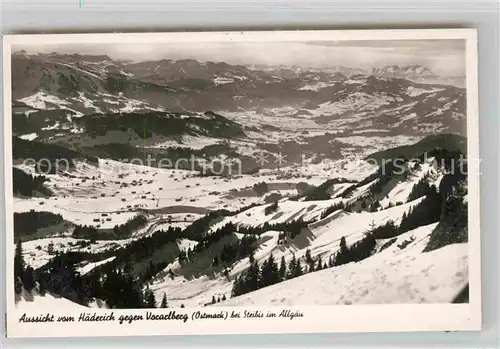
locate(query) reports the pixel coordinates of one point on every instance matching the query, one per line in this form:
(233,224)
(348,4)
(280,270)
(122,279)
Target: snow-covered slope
(394,275)
(48,302)
(89,266)
(320,238)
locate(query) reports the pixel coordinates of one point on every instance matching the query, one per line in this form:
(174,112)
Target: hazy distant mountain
(410,100)
(295,71)
(417,73)
(407,72)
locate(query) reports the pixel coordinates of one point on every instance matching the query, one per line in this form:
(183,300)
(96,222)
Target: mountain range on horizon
(411,71)
(403,100)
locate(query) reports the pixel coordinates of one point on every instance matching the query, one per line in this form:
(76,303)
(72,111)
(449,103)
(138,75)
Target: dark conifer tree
(282,271)
(164,301)
(252,277)
(223,297)
(330,261)
(28,279)
(236,289)
(150,299)
(127,268)
(18,285)
(297,269)
(343,256)
(309,260)
(42,288)
(291,268)
(269,272)
(262,273)
(213,299)
(19,263)
(319,265)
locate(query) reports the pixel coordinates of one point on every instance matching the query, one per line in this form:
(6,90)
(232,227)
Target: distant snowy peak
(407,72)
(294,71)
(42,100)
(169,71)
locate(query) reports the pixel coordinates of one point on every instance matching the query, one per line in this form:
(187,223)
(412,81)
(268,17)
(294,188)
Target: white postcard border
(350,318)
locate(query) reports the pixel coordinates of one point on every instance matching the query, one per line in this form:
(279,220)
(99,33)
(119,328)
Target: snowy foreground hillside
(148,237)
(393,275)
(400,273)
(49,302)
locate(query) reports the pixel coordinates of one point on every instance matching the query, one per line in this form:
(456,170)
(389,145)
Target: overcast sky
(444,57)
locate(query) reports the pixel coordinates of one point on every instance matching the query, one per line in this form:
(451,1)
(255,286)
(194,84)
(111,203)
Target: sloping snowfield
(47,302)
(392,276)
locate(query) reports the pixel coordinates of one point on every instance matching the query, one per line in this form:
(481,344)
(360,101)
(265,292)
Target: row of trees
(28,223)
(117,287)
(420,189)
(25,184)
(260,188)
(446,206)
(453,223)
(23,275)
(425,212)
(163,123)
(270,273)
(292,228)
(242,248)
(126,229)
(86,232)
(50,153)
(271,208)
(232,252)
(120,231)
(357,252)
(254,277)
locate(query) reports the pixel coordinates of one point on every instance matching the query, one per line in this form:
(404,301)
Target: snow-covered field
(321,238)
(114,192)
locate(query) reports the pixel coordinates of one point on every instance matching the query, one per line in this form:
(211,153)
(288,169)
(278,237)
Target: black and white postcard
(241,182)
